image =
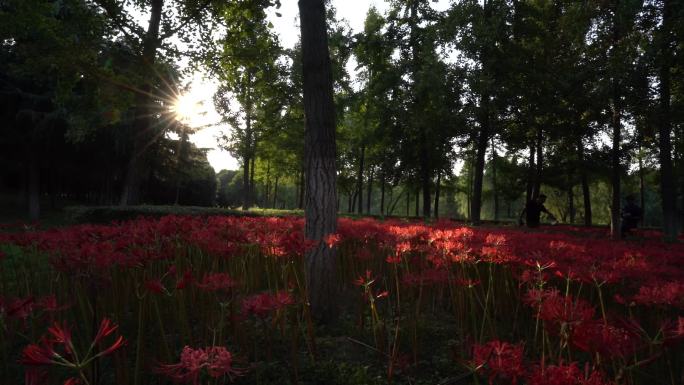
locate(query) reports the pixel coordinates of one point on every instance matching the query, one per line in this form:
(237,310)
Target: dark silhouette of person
(631,215)
(533,210)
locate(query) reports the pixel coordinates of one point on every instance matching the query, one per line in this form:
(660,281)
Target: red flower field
(182,299)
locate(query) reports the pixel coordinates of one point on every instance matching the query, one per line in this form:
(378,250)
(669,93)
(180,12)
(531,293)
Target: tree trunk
(370,191)
(359,180)
(540,164)
(482,140)
(408,201)
(33,184)
(300,203)
(252,189)
(586,195)
(642,187)
(571,204)
(615,153)
(143,136)
(667,185)
(320,153)
(417,202)
(382,192)
(245,183)
(437,189)
(530,174)
(495,189)
(275,193)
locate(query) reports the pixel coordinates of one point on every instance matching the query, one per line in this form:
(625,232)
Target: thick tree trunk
(359,179)
(143,136)
(667,185)
(320,153)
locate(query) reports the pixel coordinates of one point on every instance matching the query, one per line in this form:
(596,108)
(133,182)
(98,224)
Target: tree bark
(408,201)
(382,192)
(437,190)
(143,135)
(252,189)
(530,174)
(275,193)
(540,163)
(617,137)
(369,190)
(481,150)
(667,185)
(34,184)
(320,153)
(245,183)
(300,203)
(359,180)
(495,189)
(417,202)
(586,194)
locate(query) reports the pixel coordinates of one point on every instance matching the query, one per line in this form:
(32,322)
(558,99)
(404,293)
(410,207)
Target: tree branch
(186,21)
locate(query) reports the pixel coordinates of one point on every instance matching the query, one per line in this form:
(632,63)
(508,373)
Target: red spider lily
(500,360)
(608,340)
(49,304)
(186,279)
(366,280)
(217,282)
(674,332)
(73,381)
(155,286)
(662,293)
(20,308)
(215,361)
(566,375)
(56,348)
(262,305)
(332,239)
(558,310)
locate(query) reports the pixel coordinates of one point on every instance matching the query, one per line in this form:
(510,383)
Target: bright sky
(287,27)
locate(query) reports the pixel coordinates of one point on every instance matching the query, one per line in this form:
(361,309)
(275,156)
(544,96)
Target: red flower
(332,239)
(263,304)
(500,360)
(155,286)
(217,361)
(566,375)
(217,282)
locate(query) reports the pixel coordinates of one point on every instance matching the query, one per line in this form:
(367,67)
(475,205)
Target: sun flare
(188,108)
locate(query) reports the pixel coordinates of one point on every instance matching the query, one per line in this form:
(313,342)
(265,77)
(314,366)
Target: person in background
(631,215)
(533,210)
